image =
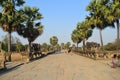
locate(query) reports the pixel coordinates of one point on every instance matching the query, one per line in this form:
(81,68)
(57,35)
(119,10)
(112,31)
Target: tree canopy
(53,40)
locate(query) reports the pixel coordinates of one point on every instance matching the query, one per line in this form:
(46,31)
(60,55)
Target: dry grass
(1,57)
(18,57)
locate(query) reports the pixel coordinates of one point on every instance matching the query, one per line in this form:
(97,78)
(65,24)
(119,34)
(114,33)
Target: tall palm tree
(31,27)
(96,9)
(75,37)
(9,17)
(84,32)
(114,14)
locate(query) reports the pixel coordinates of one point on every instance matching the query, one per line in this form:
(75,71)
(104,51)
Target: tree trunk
(29,50)
(77,47)
(84,45)
(101,37)
(9,46)
(117,22)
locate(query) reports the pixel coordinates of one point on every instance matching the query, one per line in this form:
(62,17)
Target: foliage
(30,29)
(10,17)
(112,46)
(58,47)
(4,47)
(114,14)
(75,36)
(16,44)
(109,47)
(19,46)
(73,47)
(84,31)
(44,47)
(97,10)
(92,44)
(67,45)
(49,48)
(53,40)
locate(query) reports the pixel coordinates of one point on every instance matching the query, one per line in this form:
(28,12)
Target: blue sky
(60,19)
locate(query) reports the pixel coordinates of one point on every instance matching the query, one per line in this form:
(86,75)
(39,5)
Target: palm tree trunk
(77,47)
(84,45)
(9,46)
(117,22)
(29,50)
(9,42)
(101,37)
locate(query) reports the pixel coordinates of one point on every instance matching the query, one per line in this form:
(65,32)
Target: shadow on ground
(6,70)
(43,56)
(14,67)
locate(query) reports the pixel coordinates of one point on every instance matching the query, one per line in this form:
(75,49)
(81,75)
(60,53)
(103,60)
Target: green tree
(53,41)
(58,47)
(74,47)
(67,45)
(44,47)
(9,17)
(90,45)
(112,14)
(109,47)
(19,46)
(84,32)
(96,9)
(31,28)
(75,37)
(115,14)
(15,43)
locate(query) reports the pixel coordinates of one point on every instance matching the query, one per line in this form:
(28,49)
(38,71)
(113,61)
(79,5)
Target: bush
(109,47)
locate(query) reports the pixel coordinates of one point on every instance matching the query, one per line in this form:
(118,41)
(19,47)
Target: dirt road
(63,67)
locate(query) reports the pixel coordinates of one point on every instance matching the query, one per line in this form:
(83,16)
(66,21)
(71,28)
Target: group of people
(115,61)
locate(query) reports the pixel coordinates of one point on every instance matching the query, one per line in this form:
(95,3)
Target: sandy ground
(63,67)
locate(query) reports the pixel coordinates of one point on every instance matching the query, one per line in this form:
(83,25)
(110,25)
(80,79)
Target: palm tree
(31,28)
(84,32)
(75,37)
(96,9)
(53,41)
(115,11)
(112,13)
(9,17)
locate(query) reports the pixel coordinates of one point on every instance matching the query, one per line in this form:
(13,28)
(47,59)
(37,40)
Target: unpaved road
(63,67)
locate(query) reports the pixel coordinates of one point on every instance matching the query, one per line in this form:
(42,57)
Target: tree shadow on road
(43,56)
(7,70)
(14,67)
